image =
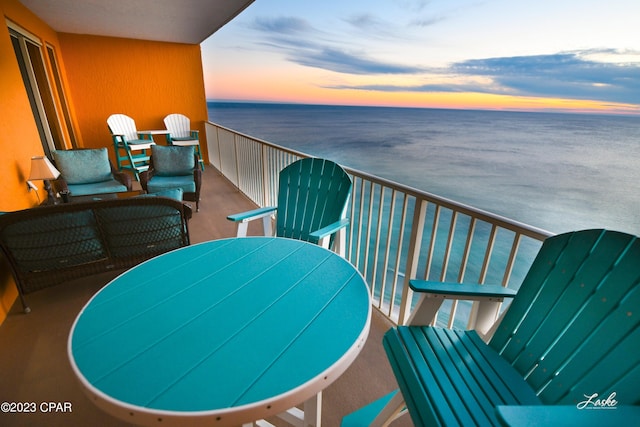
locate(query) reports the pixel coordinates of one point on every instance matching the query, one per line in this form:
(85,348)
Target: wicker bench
(49,245)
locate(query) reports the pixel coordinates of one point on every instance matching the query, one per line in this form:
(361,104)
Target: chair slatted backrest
(178,125)
(312,193)
(572,330)
(121,124)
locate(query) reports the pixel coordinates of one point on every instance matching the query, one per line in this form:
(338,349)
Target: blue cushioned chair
(172,167)
(172,193)
(88,171)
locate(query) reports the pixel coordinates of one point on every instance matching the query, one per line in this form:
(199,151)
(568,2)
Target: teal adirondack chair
(570,337)
(132,150)
(312,200)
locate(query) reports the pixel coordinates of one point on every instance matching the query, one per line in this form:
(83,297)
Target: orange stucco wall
(102,76)
(142,79)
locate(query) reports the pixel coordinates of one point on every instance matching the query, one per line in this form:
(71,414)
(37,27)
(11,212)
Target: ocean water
(559,172)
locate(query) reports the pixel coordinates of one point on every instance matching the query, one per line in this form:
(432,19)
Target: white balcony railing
(396,233)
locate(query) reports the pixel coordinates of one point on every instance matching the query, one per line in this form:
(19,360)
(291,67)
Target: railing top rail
(501,221)
(261,141)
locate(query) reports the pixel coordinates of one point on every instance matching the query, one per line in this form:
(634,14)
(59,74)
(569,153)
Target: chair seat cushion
(83,166)
(170,161)
(110,186)
(139,141)
(172,193)
(161,183)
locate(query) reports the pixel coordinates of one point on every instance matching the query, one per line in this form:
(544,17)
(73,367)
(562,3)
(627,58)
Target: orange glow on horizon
(279,86)
(464,101)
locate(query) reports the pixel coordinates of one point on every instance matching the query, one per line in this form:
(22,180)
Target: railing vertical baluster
(454,304)
(352,224)
(447,252)
(512,258)
(495,310)
(385,268)
(237,163)
(398,261)
(487,255)
(445,264)
(264,171)
(432,242)
(360,225)
(367,245)
(483,273)
(467,250)
(413,256)
(376,248)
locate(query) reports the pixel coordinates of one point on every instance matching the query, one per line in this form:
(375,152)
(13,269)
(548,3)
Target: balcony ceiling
(179,21)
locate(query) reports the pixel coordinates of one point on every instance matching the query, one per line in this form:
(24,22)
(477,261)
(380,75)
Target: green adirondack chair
(312,200)
(566,352)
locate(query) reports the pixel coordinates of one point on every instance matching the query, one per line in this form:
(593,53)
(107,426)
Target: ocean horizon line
(475,110)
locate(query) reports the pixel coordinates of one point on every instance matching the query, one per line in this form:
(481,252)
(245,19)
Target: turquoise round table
(222,333)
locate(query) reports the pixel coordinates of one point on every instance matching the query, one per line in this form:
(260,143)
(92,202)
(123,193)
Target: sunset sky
(487,54)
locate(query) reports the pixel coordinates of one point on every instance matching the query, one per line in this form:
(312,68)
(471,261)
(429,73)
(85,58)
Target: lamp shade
(41,168)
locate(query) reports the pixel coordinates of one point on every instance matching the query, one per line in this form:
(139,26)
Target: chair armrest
(317,235)
(59,185)
(145,135)
(145,177)
(433,294)
(194,134)
(555,415)
(252,214)
(117,138)
(197,172)
(122,177)
(461,290)
(188,212)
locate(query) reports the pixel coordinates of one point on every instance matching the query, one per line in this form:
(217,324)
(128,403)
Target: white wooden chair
(131,148)
(180,133)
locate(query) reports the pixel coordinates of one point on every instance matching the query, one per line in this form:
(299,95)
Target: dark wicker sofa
(49,245)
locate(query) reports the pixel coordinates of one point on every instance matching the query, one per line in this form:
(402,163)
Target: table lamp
(41,168)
